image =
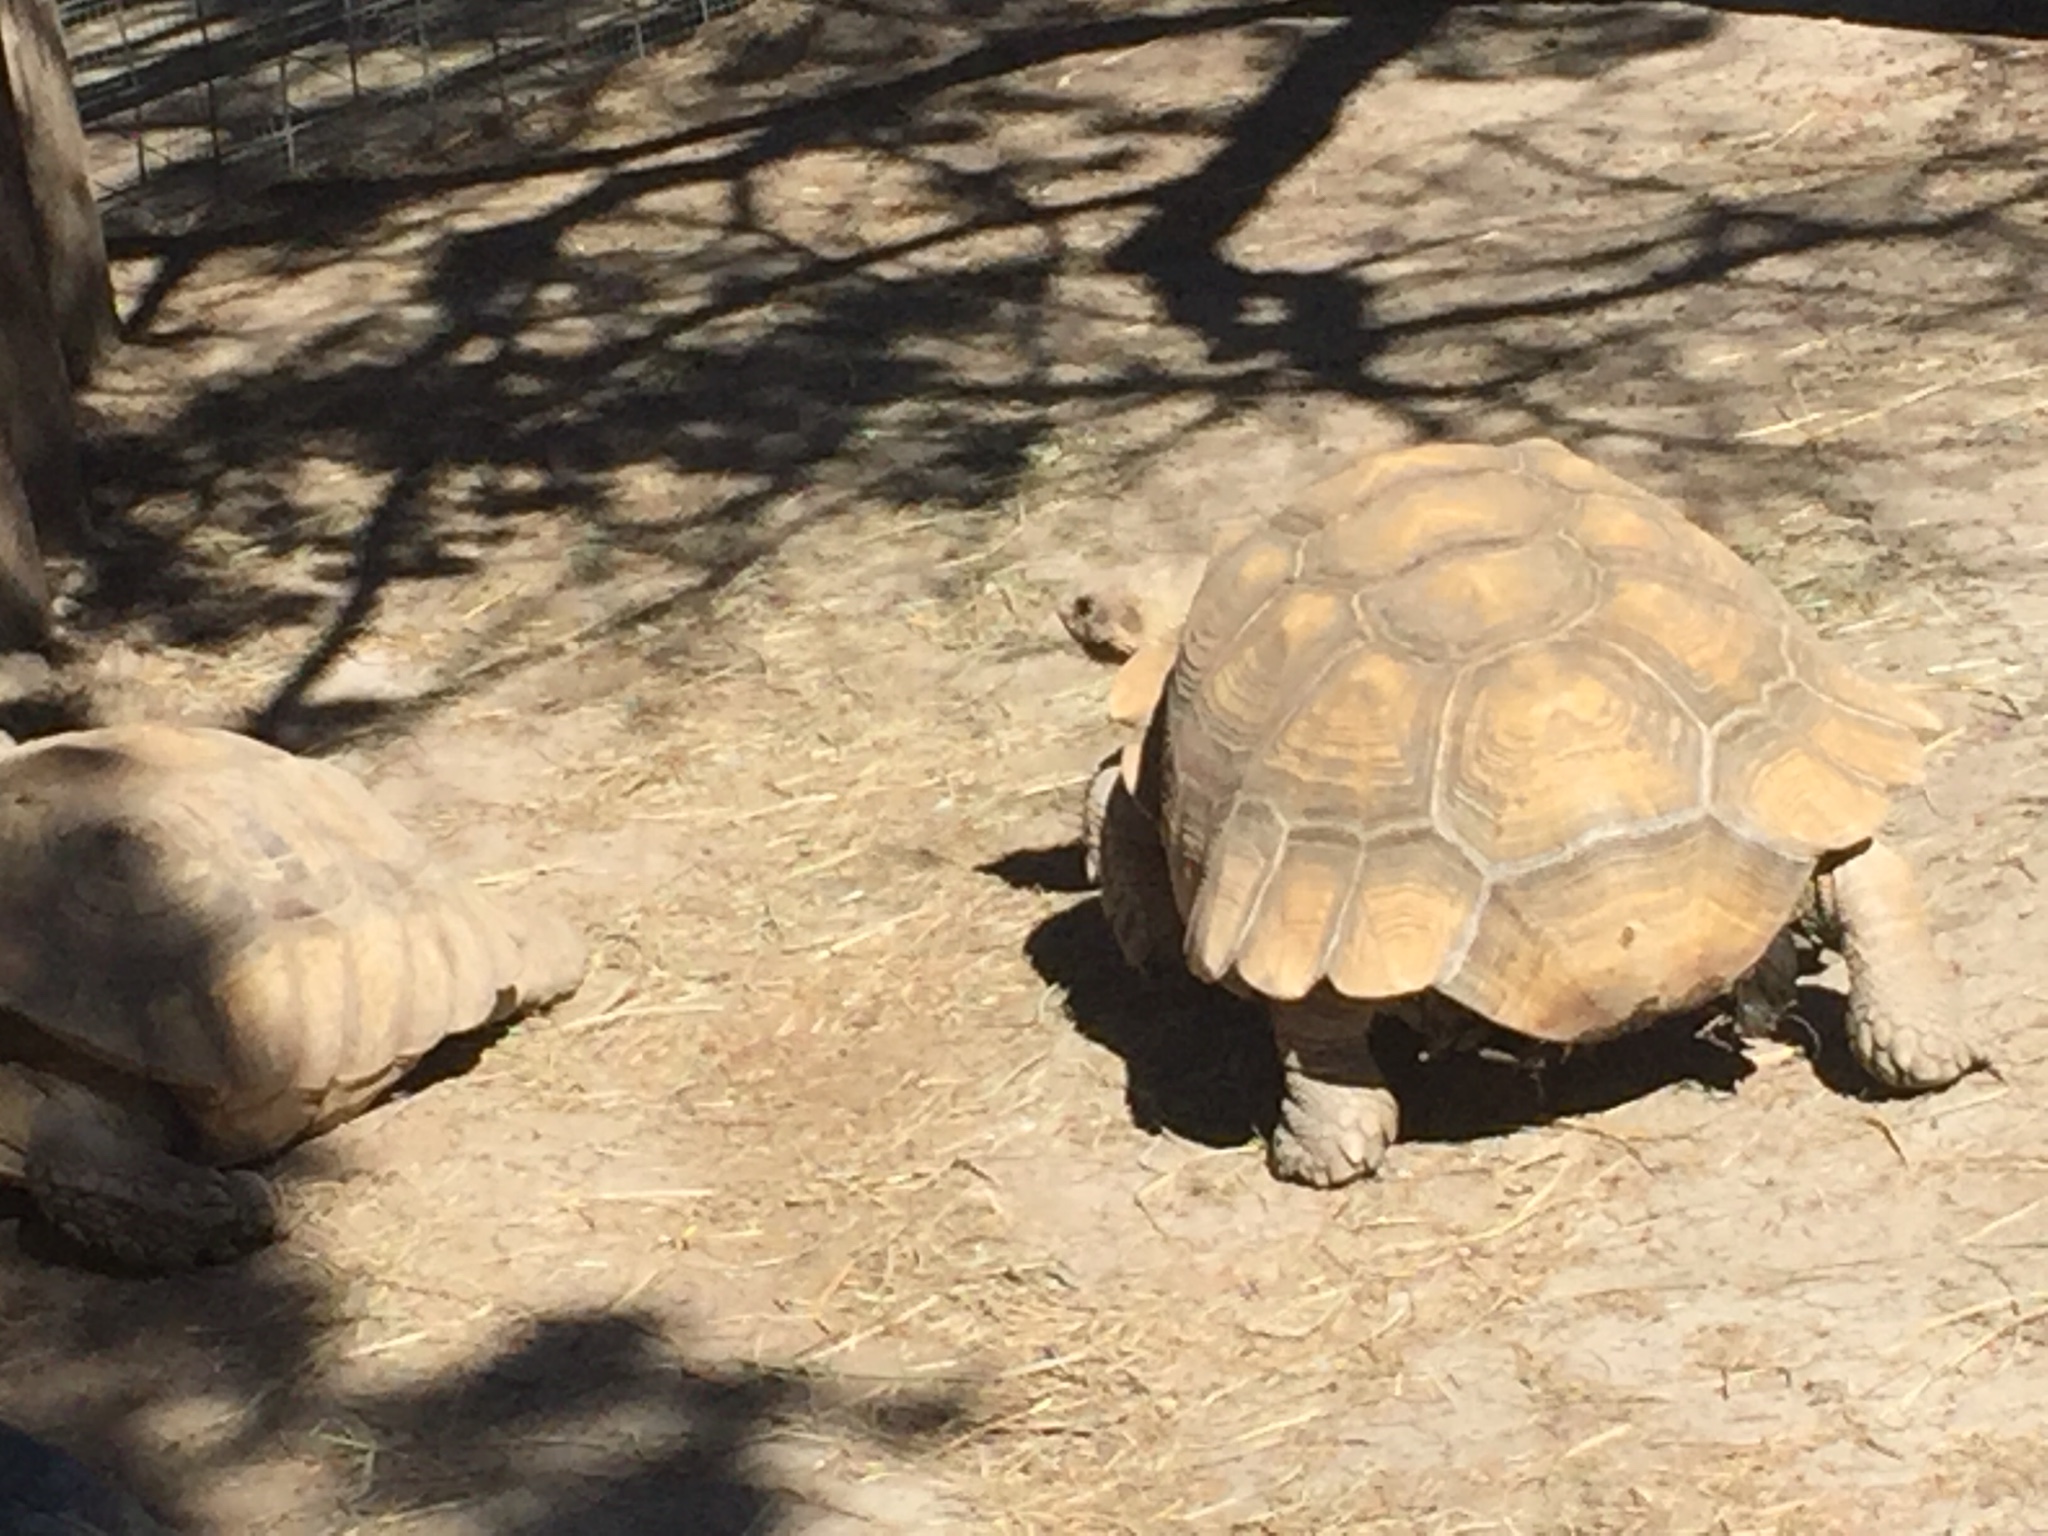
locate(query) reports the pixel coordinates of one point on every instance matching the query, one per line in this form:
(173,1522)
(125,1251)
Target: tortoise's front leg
(95,1175)
(1905,1023)
(1125,857)
(1337,1115)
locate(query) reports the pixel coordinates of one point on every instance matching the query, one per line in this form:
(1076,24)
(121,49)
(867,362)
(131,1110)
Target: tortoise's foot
(1908,1051)
(1331,1134)
(1905,1012)
(143,1208)
(1908,1060)
(1337,1115)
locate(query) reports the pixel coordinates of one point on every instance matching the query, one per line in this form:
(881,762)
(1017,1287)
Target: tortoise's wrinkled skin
(210,949)
(1492,727)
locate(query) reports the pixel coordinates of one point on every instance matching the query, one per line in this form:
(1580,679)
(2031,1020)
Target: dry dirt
(663,501)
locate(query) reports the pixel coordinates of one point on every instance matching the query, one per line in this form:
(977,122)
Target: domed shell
(1494,722)
(249,928)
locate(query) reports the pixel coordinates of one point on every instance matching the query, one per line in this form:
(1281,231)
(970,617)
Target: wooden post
(24,592)
(68,236)
(39,472)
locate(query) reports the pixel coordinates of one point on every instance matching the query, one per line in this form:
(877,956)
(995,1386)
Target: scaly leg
(1125,854)
(1337,1115)
(95,1174)
(1904,1011)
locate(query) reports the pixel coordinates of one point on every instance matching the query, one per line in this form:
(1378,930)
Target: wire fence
(183,99)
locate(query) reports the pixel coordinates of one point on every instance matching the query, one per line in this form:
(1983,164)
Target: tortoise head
(1134,621)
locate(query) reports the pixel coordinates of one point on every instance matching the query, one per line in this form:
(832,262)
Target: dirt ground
(662,500)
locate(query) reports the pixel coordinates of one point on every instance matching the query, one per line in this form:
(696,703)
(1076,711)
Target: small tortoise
(210,949)
(1482,736)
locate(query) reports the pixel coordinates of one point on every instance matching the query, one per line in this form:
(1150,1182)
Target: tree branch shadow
(674,304)
(181,1387)
(675,314)
(591,1421)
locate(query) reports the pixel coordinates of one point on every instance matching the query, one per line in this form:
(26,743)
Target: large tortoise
(1480,736)
(209,949)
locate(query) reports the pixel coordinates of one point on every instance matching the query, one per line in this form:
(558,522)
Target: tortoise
(209,950)
(45,1491)
(1492,742)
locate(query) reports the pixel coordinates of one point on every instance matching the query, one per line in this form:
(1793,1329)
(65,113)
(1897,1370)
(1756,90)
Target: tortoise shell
(248,928)
(1494,722)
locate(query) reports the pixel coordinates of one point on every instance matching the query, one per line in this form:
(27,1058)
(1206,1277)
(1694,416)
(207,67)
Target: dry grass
(842,1110)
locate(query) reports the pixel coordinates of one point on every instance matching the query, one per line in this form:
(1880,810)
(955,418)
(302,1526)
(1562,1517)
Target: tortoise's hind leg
(1337,1114)
(1904,1008)
(95,1176)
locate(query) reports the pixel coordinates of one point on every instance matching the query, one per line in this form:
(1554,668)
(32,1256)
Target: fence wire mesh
(183,98)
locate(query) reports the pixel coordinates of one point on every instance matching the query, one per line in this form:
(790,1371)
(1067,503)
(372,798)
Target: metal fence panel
(185,97)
